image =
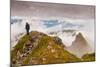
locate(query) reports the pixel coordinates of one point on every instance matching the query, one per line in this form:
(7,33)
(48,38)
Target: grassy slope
(20,44)
(54,54)
(59,56)
(89,57)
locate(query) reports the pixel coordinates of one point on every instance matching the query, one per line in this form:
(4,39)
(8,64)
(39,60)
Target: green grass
(43,52)
(20,44)
(60,55)
(89,57)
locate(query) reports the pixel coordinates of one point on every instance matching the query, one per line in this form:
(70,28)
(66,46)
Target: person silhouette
(27,27)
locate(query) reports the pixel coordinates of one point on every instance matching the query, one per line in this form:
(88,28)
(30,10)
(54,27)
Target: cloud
(42,25)
(37,9)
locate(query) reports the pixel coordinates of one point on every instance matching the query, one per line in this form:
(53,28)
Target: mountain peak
(79,46)
(80,39)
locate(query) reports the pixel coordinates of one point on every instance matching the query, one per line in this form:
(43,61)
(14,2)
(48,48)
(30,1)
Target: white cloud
(36,23)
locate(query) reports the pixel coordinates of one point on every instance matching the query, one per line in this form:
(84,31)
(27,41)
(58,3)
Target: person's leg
(27,32)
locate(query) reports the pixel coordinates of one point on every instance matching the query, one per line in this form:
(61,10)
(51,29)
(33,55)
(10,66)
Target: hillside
(88,57)
(39,48)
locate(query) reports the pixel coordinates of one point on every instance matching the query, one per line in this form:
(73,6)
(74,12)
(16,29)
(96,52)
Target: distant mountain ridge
(79,46)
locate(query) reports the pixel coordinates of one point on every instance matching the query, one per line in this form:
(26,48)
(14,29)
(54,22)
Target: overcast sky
(37,9)
(75,14)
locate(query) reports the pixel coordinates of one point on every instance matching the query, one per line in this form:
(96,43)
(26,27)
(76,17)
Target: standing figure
(27,27)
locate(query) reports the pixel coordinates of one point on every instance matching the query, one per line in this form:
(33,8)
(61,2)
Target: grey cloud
(28,8)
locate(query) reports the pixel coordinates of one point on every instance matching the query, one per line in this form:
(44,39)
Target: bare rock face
(80,46)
